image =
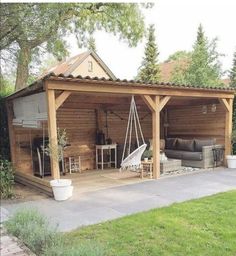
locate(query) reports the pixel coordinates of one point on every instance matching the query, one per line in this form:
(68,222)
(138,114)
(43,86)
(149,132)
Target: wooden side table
(100,149)
(147,167)
(72,164)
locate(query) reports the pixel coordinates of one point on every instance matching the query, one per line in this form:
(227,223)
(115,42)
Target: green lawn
(199,227)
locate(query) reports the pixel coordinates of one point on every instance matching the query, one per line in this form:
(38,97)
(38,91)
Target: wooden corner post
(228,106)
(156,137)
(52,131)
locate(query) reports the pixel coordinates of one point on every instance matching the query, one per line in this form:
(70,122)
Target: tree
(92,44)
(232,72)
(179,56)
(149,70)
(205,67)
(179,62)
(29,27)
(178,73)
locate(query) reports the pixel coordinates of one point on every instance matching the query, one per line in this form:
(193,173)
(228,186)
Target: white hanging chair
(132,160)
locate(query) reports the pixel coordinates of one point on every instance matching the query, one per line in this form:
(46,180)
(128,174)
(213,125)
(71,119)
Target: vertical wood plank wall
(80,125)
(190,122)
(23,143)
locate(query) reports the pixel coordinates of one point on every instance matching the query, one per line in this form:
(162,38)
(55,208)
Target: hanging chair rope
(133,159)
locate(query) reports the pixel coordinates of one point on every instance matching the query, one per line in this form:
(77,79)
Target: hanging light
(213,108)
(204,110)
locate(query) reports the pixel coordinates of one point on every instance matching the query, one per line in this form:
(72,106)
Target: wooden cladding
(82,117)
(23,146)
(80,125)
(191,122)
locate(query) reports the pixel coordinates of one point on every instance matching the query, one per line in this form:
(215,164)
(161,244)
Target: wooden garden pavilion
(81,105)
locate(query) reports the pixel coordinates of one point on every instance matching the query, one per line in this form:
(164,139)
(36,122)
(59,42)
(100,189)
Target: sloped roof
(38,85)
(53,76)
(66,67)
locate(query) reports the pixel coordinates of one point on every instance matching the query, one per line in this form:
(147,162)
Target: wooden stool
(147,167)
(73,164)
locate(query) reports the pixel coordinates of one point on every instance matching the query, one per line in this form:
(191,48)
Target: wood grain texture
(190,122)
(52,131)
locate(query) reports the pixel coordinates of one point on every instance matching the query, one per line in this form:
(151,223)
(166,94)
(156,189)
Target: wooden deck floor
(93,180)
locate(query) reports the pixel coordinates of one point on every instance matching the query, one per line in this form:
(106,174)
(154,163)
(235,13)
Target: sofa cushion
(170,143)
(184,155)
(201,143)
(186,145)
(171,153)
(194,156)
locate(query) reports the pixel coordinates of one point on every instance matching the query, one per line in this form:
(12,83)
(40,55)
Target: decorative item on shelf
(108,141)
(147,154)
(163,157)
(100,138)
(204,109)
(213,108)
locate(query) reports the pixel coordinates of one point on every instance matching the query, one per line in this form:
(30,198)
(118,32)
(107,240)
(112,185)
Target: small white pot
(145,159)
(231,161)
(62,189)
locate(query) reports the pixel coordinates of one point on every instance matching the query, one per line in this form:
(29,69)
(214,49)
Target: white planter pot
(231,161)
(62,189)
(145,159)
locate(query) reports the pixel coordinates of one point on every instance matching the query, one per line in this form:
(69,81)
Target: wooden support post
(228,126)
(10,116)
(155,104)
(156,138)
(52,130)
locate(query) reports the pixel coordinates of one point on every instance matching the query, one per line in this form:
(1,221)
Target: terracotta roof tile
(53,76)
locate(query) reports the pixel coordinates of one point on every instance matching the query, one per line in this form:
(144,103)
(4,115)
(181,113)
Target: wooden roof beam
(225,104)
(136,90)
(150,102)
(163,102)
(61,98)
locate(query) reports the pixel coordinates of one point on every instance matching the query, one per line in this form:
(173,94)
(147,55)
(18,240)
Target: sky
(176,23)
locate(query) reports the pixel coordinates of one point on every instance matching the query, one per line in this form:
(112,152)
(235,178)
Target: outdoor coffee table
(171,165)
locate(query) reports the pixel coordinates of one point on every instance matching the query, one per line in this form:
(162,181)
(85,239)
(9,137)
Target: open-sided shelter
(84,105)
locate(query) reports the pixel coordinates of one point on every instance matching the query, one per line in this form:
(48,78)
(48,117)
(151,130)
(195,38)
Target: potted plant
(147,154)
(62,189)
(231,159)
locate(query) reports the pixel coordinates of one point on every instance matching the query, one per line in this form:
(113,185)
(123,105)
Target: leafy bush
(6,178)
(81,249)
(33,230)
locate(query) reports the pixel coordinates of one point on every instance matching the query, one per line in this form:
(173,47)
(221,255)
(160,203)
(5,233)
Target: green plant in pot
(62,188)
(147,154)
(231,159)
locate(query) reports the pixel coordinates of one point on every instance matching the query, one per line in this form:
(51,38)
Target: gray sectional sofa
(194,152)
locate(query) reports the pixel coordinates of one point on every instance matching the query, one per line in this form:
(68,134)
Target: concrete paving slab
(107,204)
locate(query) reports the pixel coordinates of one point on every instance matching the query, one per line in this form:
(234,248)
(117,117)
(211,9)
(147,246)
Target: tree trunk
(22,67)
